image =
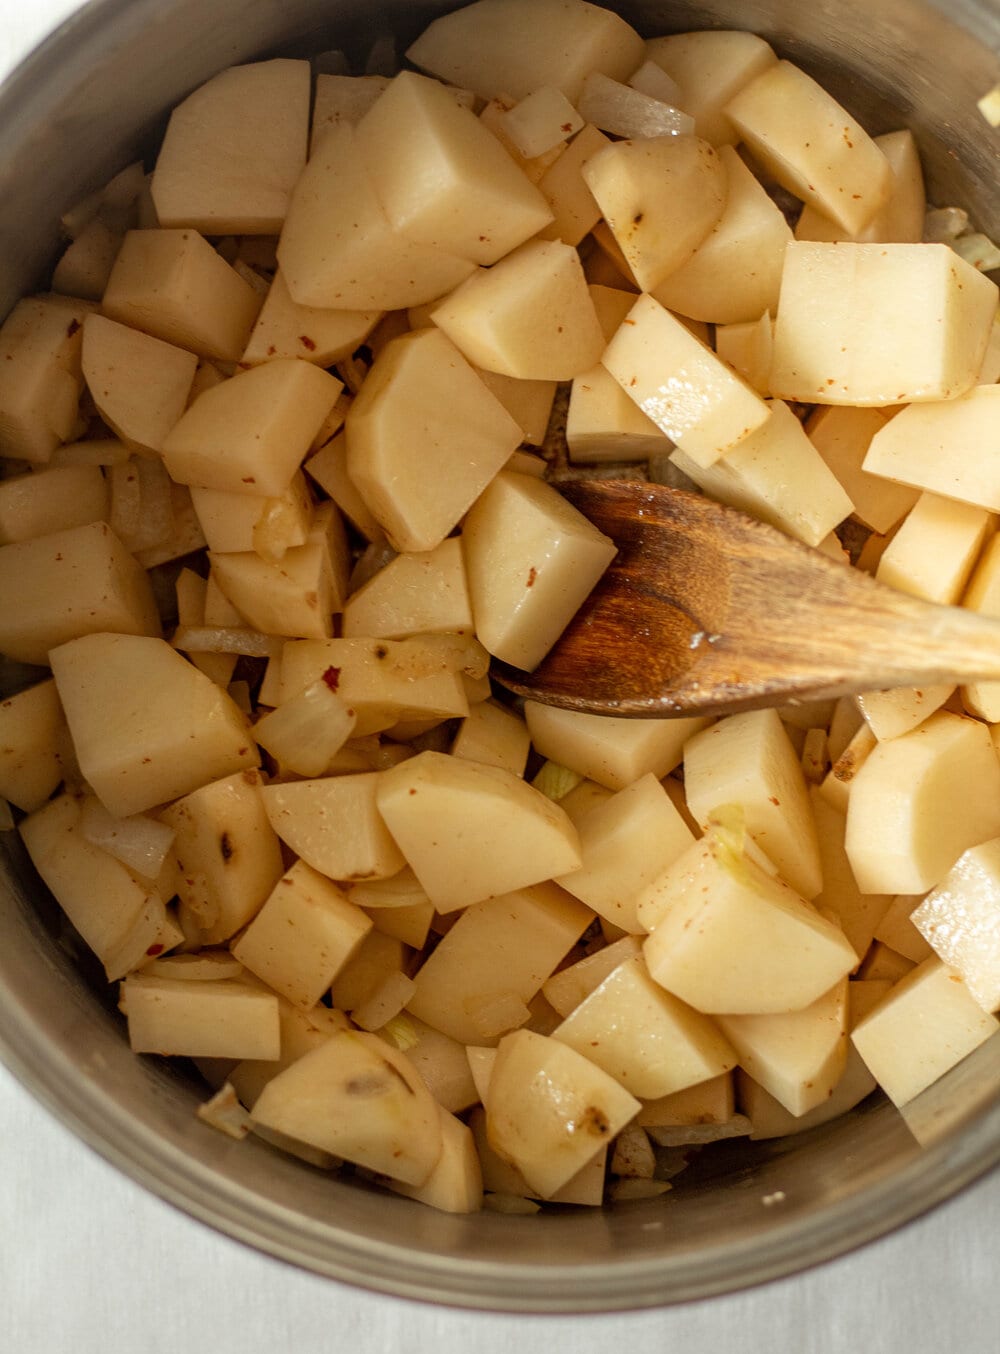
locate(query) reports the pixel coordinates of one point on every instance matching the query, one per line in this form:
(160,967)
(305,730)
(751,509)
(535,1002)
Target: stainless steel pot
(79,108)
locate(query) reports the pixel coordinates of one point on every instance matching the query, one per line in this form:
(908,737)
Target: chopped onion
(622,111)
(944,224)
(555,781)
(207,966)
(224,1112)
(979,250)
(681,1135)
(625,1188)
(400,1032)
(633,1155)
(225,639)
(305,733)
(140,843)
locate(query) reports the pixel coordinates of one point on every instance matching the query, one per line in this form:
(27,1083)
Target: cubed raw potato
(33,737)
(359,1098)
(301,1032)
(530,316)
(732,939)
(551,1110)
(470,831)
(235,522)
(748,760)
(776,475)
(735,272)
(173,285)
(285,329)
(531,559)
(798,1056)
(493,117)
(858,913)
(983,596)
(338,249)
(222,1019)
(842,435)
(926,1025)
(674,378)
(626,111)
(228,855)
(710,68)
(498,949)
(378,958)
(569,986)
(442,177)
(661,196)
(414,594)
(302,936)
(769,1117)
(614,752)
(626,843)
(882,965)
(747,348)
(812,145)
(890,713)
(455,1185)
(900,220)
(70,583)
(51,500)
(328,467)
(529,404)
(342,98)
(482,47)
(251,433)
(505,1182)
(960,919)
(574,210)
(85,265)
(333,824)
(40,380)
(424,438)
(708,1102)
(933,553)
(495,736)
(643,1037)
(297,595)
(383,681)
(946,447)
(541,120)
(919,802)
(234,149)
(146,725)
(900,322)
(139,384)
(896,930)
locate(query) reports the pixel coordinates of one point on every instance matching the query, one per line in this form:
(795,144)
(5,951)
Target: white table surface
(88,1261)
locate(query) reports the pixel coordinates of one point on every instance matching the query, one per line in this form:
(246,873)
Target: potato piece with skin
(456,821)
(960,919)
(747,759)
(424,438)
(285,329)
(455,1185)
(139,384)
(612,751)
(710,68)
(675,379)
(251,433)
(361,1099)
(54,499)
(919,802)
(661,196)
(40,380)
(234,149)
(222,1019)
(415,593)
(646,1039)
(301,1032)
(228,856)
(812,145)
(731,939)
(442,177)
(494,735)
(531,559)
(550,1110)
(333,824)
(482,46)
(146,725)
(32,734)
(173,285)
(70,583)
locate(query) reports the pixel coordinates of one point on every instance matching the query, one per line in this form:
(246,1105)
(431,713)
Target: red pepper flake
(154,950)
(332,678)
(532,575)
(249,479)
(72,328)
(307,343)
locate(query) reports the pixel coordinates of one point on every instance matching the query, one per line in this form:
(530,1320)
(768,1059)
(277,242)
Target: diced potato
(882,965)
(146,725)
(455,1185)
(890,713)
(173,285)
(661,196)
(441,176)
(926,1024)
(378,958)
(983,596)
(896,930)
(812,145)
(643,1037)
(858,913)
(234,149)
(708,1102)
(735,272)
(85,265)
(359,846)
(342,98)
(139,384)
(285,329)
(482,46)
(531,560)
(933,553)
(494,735)
(416,593)
(900,220)
(505,946)
(541,120)
(568,987)
(359,1098)
(529,404)
(747,348)
(234,522)
(842,435)
(919,802)
(681,385)
(710,68)
(32,744)
(836,786)
(40,378)
(563,186)
(222,1019)
(51,500)
(493,117)
(960,919)
(612,751)
(900,322)
(456,823)
(70,583)
(328,467)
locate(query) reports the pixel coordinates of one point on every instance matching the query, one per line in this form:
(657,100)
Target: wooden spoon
(706,611)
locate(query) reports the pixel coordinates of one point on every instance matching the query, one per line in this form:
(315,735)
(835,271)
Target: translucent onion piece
(615,108)
(225,639)
(306,732)
(140,843)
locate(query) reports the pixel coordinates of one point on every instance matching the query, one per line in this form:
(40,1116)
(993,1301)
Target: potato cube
(564,188)
(983,596)
(927,1023)
(328,467)
(302,936)
(234,149)
(40,380)
(67,584)
(455,822)
(32,734)
(146,725)
(747,348)
(85,264)
(900,219)
(890,713)
(416,593)
(222,1019)
(710,68)
(568,986)
(896,929)
(842,435)
(541,120)
(285,329)
(900,322)
(378,958)
(139,384)
(614,752)
(934,552)
(342,98)
(708,1102)
(529,404)
(960,919)
(858,913)
(494,735)
(424,438)
(51,500)
(333,824)
(455,1185)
